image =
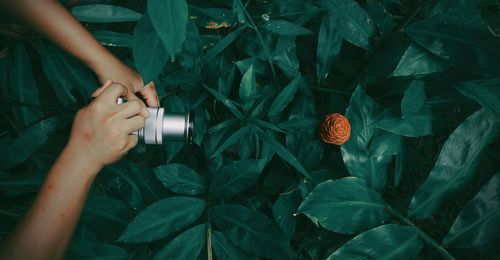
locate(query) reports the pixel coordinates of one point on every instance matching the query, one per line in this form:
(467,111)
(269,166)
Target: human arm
(55,22)
(100,135)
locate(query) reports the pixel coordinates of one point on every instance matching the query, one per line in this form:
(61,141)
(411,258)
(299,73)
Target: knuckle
(135,105)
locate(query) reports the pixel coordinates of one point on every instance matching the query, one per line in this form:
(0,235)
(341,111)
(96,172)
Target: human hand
(101,131)
(121,73)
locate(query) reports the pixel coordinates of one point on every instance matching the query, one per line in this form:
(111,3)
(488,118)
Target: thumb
(99,90)
(148,92)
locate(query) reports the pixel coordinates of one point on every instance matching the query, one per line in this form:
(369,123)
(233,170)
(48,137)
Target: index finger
(113,92)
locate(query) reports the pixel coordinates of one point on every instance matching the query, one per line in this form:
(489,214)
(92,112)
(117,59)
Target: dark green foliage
(418,81)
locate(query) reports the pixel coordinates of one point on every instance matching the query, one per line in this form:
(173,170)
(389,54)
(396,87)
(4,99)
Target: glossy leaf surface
(235,177)
(181,179)
(187,245)
(101,13)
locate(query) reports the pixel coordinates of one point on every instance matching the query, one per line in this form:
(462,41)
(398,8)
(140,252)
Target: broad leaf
(235,177)
(146,44)
(181,179)
(419,61)
(361,113)
(479,220)
(352,22)
(169,18)
(385,242)
(456,163)
(346,206)
(284,97)
(329,47)
(488,100)
(252,231)
(187,245)
(99,13)
(413,99)
(285,28)
(163,218)
(224,249)
(283,211)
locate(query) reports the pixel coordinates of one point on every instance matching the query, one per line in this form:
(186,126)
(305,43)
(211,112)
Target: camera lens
(163,127)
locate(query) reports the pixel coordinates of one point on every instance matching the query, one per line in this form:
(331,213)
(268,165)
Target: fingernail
(145,112)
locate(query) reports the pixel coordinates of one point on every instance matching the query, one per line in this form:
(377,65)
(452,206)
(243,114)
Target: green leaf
(22,87)
(413,99)
(95,250)
(283,212)
(99,13)
(361,113)
(66,74)
(352,21)
(329,47)
(118,181)
(282,152)
(412,125)
(169,18)
(300,124)
(15,151)
(227,102)
(234,138)
(225,250)
(284,97)
(285,28)
(479,221)
(345,205)
(181,179)
(400,164)
(113,39)
(455,165)
(235,177)
(419,61)
(265,125)
(162,219)
(488,100)
(187,245)
(222,44)
(251,231)
(247,89)
(145,45)
(390,241)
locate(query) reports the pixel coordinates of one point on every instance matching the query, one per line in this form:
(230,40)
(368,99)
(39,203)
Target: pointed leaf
(329,47)
(488,100)
(252,231)
(187,245)
(385,242)
(222,44)
(413,99)
(100,13)
(479,221)
(227,102)
(419,61)
(235,177)
(234,138)
(283,211)
(181,179)
(163,218)
(169,18)
(284,97)
(345,205)
(225,250)
(456,163)
(285,28)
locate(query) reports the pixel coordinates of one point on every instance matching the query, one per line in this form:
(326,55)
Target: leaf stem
(429,240)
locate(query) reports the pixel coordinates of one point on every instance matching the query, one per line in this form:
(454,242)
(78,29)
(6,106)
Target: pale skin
(100,134)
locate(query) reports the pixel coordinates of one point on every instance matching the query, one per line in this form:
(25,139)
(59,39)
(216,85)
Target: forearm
(54,21)
(46,230)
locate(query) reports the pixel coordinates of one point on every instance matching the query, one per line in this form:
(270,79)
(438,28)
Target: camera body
(163,127)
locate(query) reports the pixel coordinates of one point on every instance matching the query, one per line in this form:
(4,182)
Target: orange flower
(335,129)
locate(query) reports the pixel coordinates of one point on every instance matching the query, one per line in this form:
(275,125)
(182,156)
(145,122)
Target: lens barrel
(164,127)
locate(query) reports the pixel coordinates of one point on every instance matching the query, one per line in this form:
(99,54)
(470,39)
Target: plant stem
(429,240)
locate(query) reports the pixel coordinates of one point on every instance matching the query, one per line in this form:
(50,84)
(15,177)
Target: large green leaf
(187,245)
(419,61)
(23,87)
(385,242)
(169,19)
(283,211)
(479,220)
(223,44)
(66,74)
(235,177)
(99,13)
(352,21)
(224,249)
(329,47)
(14,151)
(251,231)
(362,112)
(346,205)
(163,218)
(145,45)
(456,163)
(118,181)
(181,179)
(285,28)
(413,99)
(284,97)
(479,93)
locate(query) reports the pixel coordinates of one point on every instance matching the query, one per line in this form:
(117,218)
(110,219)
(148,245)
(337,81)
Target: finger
(113,92)
(130,109)
(150,94)
(134,123)
(133,140)
(99,90)
(132,96)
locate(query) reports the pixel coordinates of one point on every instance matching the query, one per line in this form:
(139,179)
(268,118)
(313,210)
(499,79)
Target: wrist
(74,156)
